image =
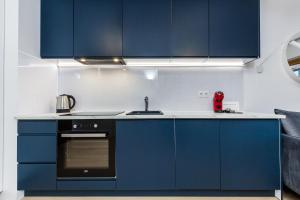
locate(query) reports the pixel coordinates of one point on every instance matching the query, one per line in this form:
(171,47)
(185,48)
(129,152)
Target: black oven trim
(92,173)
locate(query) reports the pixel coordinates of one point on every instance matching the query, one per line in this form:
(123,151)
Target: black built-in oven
(86,149)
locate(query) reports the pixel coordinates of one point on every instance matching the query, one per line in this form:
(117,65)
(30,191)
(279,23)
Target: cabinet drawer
(36,149)
(86,185)
(37,127)
(39,177)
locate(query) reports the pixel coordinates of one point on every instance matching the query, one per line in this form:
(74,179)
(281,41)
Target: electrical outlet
(233,105)
(204,94)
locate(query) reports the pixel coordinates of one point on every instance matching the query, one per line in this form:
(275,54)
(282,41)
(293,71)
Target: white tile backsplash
(37,90)
(176,90)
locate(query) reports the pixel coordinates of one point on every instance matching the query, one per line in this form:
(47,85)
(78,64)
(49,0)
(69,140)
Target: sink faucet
(146,103)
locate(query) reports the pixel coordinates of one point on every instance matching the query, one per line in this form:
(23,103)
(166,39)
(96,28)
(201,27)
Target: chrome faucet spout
(146,103)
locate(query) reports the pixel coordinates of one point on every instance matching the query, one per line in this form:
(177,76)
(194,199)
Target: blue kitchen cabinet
(98,28)
(250,155)
(37,177)
(37,149)
(56,29)
(86,185)
(197,154)
(190,28)
(36,155)
(145,155)
(146,28)
(37,127)
(234,28)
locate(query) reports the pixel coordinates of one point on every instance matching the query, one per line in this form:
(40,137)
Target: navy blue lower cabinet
(145,155)
(36,149)
(250,155)
(197,154)
(37,127)
(37,177)
(86,185)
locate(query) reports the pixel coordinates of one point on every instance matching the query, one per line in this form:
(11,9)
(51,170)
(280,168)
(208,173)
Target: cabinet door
(250,155)
(38,177)
(234,28)
(189,28)
(37,149)
(98,28)
(56,28)
(147,26)
(197,154)
(145,154)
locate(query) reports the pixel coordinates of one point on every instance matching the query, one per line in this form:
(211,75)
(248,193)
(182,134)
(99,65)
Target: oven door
(86,155)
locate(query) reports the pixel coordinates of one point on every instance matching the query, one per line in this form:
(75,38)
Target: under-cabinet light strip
(181,63)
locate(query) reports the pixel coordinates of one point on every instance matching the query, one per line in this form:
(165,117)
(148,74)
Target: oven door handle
(86,135)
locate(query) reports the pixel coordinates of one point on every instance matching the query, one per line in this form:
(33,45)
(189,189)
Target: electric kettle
(64,103)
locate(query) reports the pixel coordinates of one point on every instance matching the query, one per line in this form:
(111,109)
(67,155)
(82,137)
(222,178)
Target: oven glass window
(86,153)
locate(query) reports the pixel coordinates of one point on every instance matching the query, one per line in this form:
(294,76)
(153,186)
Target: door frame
(2,49)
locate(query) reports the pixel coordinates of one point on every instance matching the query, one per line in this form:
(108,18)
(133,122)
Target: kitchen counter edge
(53,116)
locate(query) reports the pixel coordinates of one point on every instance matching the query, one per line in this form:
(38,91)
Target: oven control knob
(95,125)
(75,126)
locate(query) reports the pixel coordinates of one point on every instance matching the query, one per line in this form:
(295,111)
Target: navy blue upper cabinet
(197,154)
(190,28)
(98,28)
(56,28)
(250,155)
(145,155)
(146,28)
(234,28)
(150,28)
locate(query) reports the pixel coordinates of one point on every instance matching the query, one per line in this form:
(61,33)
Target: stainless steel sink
(146,113)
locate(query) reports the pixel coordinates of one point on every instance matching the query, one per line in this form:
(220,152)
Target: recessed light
(116,60)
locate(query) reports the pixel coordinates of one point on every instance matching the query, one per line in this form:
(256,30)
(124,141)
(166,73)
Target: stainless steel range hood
(101,61)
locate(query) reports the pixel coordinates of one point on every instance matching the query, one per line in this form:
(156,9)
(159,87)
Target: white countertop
(167,115)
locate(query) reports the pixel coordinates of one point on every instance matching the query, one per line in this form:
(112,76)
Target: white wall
(175,90)
(1,88)
(10,103)
(37,90)
(29,31)
(274,88)
(37,86)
